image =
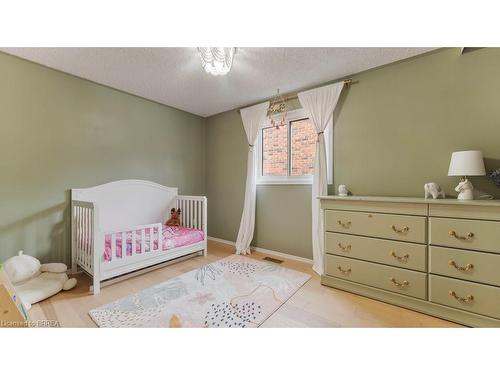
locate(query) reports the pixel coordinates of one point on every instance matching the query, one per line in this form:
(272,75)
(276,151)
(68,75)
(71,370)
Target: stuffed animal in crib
(175,217)
(33,281)
(434,190)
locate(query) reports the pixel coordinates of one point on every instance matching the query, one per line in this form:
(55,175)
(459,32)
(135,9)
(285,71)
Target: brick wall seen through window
(276,147)
(303,144)
(275,151)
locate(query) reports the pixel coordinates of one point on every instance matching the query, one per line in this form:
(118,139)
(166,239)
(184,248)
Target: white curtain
(320,104)
(253,119)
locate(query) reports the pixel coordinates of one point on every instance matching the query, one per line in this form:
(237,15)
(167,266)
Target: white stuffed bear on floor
(33,281)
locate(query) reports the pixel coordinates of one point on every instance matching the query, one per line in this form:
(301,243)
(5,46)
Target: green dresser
(440,257)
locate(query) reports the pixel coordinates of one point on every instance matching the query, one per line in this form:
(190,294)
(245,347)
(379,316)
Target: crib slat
(85,233)
(89,235)
(79,231)
(113,254)
(185,212)
(198,212)
(77,234)
(92,238)
(202,207)
(160,237)
(195,214)
(75,219)
(191,214)
(124,245)
(143,240)
(133,243)
(195,224)
(82,228)
(88,239)
(151,238)
(185,223)
(80,237)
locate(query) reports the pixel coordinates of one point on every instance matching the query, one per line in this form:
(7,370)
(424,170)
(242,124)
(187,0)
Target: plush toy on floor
(34,281)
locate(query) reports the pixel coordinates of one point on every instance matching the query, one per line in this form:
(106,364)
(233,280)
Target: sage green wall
(395,129)
(283,212)
(58,132)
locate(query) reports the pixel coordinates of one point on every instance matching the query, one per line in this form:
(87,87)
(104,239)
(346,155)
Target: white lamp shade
(466,163)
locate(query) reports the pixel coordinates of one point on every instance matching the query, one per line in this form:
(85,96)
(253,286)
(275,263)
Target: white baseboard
(264,251)
(221,240)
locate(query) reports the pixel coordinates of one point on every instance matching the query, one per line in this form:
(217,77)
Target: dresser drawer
(398,280)
(383,207)
(465,264)
(464,295)
(393,253)
(466,210)
(397,227)
(466,234)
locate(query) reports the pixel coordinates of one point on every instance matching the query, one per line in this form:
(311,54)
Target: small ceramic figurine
(465,190)
(342,190)
(434,190)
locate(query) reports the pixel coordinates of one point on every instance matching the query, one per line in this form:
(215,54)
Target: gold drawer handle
(467,267)
(468,236)
(347,271)
(405,229)
(345,224)
(405,283)
(403,258)
(467,299)
(345,248)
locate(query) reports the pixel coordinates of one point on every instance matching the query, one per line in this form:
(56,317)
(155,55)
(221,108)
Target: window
(286,154)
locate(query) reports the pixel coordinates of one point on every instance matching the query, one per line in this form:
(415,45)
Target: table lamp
(466,163)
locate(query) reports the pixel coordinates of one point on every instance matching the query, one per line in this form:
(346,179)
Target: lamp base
(465,190)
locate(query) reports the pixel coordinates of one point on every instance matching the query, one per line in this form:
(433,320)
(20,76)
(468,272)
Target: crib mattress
(173,237)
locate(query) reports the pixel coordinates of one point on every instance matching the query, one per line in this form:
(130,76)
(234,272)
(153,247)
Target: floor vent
(274,260)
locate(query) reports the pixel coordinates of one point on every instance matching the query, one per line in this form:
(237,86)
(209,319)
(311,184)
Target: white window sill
(307,181)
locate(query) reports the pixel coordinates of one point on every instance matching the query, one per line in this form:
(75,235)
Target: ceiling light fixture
(217,60)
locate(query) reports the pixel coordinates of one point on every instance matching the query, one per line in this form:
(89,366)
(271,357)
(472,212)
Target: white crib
(122,207)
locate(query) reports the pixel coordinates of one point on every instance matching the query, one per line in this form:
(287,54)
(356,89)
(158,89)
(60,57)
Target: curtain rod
(295,95)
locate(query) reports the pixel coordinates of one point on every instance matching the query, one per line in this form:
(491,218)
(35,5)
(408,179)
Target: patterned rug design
(234,292)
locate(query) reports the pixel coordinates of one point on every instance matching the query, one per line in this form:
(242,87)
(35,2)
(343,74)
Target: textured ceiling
(173,76)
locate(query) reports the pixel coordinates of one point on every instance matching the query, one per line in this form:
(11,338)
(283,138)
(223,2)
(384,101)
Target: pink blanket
(172,237)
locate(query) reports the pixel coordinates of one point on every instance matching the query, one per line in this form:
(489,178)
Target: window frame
(295,115)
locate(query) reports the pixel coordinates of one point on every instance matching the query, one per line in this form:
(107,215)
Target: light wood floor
(313,305)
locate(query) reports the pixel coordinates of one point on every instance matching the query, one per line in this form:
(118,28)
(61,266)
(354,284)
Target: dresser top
(477,202)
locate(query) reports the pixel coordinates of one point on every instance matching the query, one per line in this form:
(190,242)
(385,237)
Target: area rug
(234,292)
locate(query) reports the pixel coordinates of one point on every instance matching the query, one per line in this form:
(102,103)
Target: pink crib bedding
(172,237)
